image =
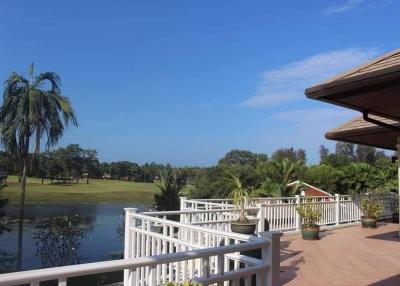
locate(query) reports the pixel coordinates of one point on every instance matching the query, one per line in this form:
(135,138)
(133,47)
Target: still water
(63,234)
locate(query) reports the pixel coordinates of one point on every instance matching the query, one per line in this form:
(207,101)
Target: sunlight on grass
(97,191)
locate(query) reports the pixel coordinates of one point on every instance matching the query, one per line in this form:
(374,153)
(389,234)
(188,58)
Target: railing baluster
(152,276)
(62,282)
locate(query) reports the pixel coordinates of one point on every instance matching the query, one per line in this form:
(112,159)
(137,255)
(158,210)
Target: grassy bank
(97,191)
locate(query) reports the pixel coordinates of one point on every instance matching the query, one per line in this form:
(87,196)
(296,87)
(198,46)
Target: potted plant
(395,210)
(310,214)
(372,208)
(239,197)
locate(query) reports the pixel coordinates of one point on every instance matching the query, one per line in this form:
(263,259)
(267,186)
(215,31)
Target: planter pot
(368,222)
(310,232)
(395,218)
(244,228)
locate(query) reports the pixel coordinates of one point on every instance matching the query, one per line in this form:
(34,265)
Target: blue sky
(186,81)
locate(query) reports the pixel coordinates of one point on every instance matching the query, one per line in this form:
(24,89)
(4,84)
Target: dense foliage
(351,169)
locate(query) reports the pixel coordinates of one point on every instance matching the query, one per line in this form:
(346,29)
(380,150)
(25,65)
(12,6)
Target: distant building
(308,190)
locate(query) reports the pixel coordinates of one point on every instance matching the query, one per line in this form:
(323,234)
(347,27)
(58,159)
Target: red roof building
(309,190)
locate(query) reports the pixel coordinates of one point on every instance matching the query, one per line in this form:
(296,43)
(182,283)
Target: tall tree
(345,149)
(323,153)
(242,157)
(29,109)
(290,154)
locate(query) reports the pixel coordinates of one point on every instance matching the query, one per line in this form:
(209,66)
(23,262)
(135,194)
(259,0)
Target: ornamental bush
(310,213)
(371,206)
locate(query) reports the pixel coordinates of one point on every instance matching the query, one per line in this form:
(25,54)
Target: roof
(359,131)
(388,60)
(373,87)
(308,185)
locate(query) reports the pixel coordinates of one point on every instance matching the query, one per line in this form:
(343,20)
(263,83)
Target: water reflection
(62,234)
(7,260)
(58,240)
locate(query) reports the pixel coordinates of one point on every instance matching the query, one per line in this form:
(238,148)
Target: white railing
(279,214)
(208,273)
(158,251)
(151,236)
(207,204)
(216,219)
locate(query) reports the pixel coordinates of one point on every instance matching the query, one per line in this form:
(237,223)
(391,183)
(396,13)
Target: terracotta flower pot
(368,222)
(310,232)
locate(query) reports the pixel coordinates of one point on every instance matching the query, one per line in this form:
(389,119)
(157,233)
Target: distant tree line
(76,163)
(350,169)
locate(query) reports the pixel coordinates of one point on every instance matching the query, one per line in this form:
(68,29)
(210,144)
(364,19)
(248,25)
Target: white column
(298,218)
(128,247)
(337,209)
(398,169)
(261,217)
(271,256)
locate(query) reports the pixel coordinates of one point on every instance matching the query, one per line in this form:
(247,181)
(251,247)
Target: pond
(63,234)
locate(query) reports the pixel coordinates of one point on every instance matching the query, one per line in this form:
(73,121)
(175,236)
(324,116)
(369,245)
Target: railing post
(261,215)
(298,218)
(182,208)
(128,247)
(183,203)
(337,209)
(270,255)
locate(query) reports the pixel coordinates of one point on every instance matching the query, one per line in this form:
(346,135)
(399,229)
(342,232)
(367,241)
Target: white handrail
(232,235)
(65,272)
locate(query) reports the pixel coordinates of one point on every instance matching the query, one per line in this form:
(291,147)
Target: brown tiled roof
(386,61)
(359,124)
(359,131)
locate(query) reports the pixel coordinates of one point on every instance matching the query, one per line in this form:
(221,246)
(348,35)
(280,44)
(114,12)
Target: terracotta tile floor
(347,256)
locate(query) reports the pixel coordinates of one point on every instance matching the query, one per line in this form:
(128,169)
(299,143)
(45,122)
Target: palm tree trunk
(21,217)
(22,206)
(37,143)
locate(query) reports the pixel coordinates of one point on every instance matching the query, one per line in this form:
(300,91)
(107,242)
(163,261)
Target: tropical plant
(30,109)
(239,196)
(359,178)
(371,206)
(309,212)
(170,185)
(281,173)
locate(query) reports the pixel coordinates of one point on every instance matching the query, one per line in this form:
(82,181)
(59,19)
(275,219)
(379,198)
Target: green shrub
(310,213)
(371,206)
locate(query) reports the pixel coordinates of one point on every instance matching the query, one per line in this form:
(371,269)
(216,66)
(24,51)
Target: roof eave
(340,86)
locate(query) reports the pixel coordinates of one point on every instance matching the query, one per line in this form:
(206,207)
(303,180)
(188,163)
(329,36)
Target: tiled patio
(347,256)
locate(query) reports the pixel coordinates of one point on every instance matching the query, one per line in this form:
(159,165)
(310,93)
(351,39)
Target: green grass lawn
(97,191)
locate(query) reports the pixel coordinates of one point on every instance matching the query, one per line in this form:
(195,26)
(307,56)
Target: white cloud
(287,83)
(350,5)
(305,128)
(346,6)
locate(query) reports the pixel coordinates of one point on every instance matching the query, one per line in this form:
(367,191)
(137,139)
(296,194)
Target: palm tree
(30,109)
(171,183)
(284,172)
